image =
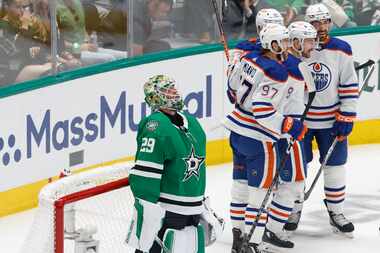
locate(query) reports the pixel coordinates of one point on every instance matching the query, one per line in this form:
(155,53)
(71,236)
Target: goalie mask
(161,93)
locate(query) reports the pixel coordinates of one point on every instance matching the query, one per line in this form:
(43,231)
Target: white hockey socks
(335,187)
(282,205)
(239,200)
(256,197)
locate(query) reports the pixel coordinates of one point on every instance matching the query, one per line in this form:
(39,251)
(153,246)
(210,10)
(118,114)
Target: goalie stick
(332,147)
(312,92)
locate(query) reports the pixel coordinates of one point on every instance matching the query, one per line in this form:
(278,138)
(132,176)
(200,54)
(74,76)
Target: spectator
(198,19)
(15,47)
(25,40)
(71,23)
(367,12)
(145,11)
(113,26)
(239,19)
(152,46)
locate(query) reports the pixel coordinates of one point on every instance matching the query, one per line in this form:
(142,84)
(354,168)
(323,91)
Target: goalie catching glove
(212,224)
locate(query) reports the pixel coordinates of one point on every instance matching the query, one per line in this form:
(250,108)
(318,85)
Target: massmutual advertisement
(94,119)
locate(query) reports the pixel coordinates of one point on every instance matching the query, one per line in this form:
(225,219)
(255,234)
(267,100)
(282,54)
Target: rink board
(90,119)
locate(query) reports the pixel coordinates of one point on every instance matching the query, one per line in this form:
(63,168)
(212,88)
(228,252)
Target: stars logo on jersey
(193,165)
(152,125)
(321,74)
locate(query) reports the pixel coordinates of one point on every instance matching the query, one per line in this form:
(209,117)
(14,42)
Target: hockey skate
(252,248)
(237,242)
(293,220)
(273,243)
(340,224)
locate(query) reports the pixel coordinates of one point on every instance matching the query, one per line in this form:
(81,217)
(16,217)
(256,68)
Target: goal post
(82,213)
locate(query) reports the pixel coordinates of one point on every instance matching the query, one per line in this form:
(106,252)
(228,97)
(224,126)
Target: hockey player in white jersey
(303,38)
(256,124)
(332,112)
(263,17)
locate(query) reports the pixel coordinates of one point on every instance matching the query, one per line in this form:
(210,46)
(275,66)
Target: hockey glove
(344,122)
(212,224)
(294,127)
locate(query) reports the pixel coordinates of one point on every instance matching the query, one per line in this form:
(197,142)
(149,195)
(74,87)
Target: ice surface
(314,234)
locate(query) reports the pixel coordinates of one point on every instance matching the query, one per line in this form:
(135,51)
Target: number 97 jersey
(259,84)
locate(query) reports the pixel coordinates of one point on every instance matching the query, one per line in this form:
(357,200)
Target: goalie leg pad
(188,240)
(146,222)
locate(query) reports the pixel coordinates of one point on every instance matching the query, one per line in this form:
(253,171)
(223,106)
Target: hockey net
(83,213)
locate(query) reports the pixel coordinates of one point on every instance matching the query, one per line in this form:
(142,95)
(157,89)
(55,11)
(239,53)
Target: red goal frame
(73,197)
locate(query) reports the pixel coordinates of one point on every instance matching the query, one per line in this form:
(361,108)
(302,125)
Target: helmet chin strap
(279,54)
(298,51)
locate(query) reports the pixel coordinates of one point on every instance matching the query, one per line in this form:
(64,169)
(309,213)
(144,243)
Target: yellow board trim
(25,197)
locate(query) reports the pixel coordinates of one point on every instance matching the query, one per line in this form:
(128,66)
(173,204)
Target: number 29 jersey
(170,163)
(259,84)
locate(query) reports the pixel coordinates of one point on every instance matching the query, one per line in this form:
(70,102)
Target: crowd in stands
(96,31)
(239,15)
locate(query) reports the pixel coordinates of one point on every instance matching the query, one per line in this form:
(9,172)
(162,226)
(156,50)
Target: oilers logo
(321,74)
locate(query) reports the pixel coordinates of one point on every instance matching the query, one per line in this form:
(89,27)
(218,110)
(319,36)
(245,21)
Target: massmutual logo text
(44,133)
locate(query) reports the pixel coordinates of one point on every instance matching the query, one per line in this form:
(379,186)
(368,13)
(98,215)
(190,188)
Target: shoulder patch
(152,125)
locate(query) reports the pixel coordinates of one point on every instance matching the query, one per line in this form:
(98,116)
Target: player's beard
(307,53)
(323,35)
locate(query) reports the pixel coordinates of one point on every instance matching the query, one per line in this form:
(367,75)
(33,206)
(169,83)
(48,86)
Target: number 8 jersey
(170,163)
(260,84)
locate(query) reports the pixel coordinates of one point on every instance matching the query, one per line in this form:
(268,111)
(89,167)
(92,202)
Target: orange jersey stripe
(252,121)
(322,113)
(268,180)
(254,217)
(263,109)
(297,161)
(237,212)
(348,91)
(285,215)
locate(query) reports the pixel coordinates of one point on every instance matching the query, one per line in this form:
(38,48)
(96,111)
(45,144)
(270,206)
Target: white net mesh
(109,212)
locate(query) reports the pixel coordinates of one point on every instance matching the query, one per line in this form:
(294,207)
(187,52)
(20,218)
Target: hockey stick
(332,147)
(244,248)
(221,30)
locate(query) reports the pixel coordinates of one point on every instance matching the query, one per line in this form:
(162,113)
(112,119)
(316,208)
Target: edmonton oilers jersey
(294,98)
(332,68)
(259,96)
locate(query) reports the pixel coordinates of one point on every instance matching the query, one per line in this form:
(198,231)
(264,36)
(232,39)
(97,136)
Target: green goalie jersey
(170,164)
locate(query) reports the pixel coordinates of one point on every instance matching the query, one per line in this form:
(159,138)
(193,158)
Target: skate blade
(270,248)
(349,235)
(288,234)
